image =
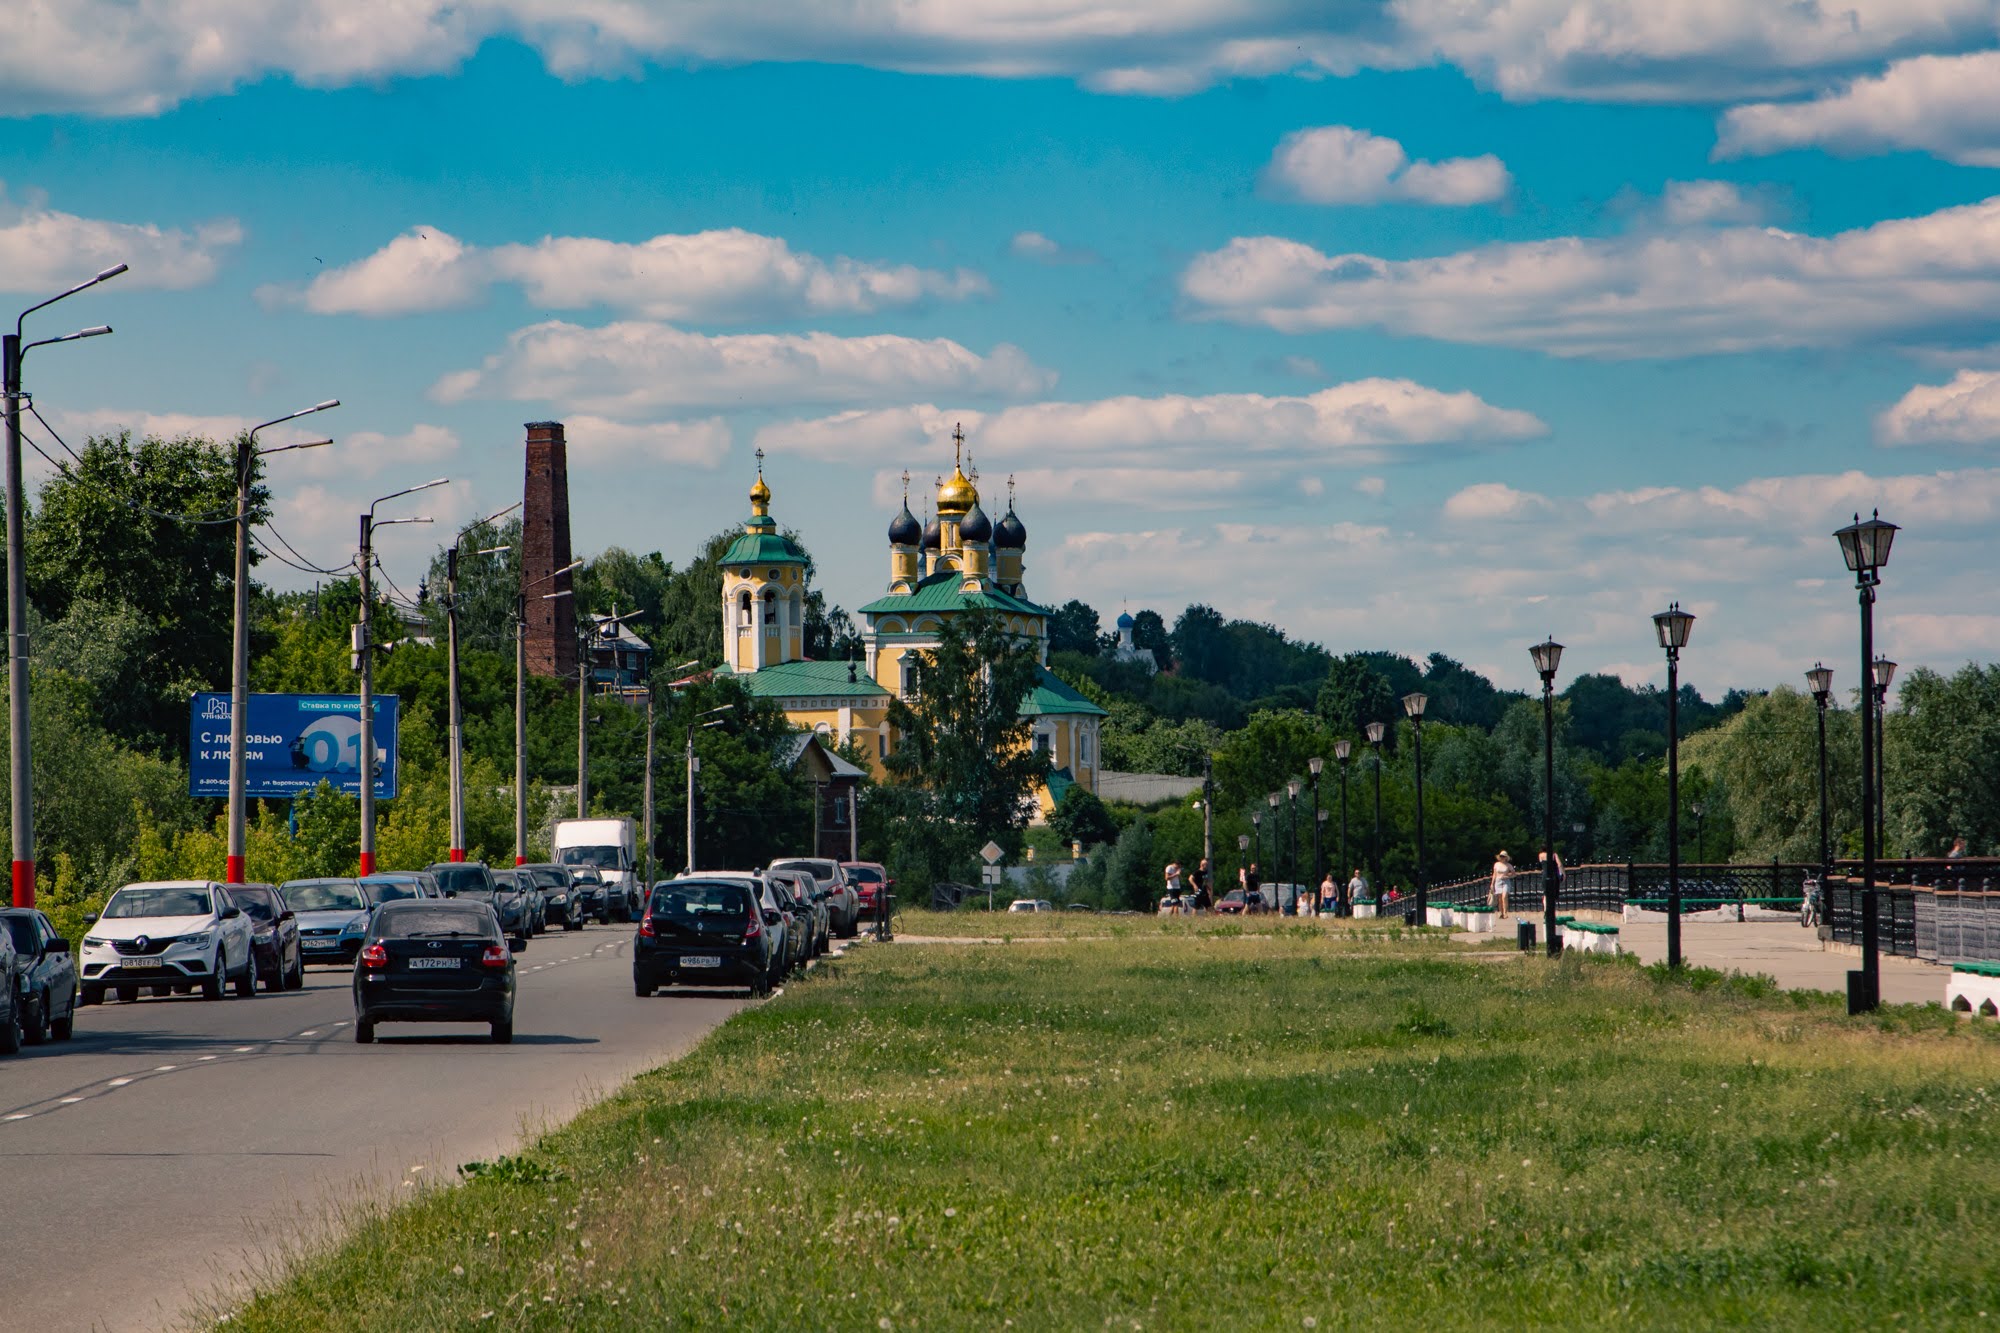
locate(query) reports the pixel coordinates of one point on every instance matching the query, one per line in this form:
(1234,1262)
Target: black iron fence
(1941,911)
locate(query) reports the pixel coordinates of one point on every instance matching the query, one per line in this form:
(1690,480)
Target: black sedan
(434,961)
(705,932)
(45,976)
(274,935)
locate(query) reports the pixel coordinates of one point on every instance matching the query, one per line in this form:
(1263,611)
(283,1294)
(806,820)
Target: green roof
(1051,695)
(763,548)
(940,592)
(798,680)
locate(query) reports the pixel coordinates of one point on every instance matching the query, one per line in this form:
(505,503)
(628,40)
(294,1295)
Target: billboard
(291,743)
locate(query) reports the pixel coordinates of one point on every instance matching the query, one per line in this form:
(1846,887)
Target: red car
(1236,902)
(868,878)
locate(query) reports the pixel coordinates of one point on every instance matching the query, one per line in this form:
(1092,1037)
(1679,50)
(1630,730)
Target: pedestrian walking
(1329,896)
(1503,871)
(1357,888)
(1253,889)
(1198,880)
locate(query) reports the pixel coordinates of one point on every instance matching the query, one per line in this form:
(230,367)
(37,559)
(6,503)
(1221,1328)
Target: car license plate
(701,960)
(433,962)
(140,962)
(321,944)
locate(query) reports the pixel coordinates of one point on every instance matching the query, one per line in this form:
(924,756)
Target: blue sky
(1419,327)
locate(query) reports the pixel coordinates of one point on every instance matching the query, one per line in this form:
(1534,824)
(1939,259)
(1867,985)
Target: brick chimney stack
(545,549)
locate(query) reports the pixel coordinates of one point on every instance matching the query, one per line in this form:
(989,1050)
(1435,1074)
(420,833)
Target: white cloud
(633,369)
(1487,501)
(1948,105)
(1709,203)
(1965,411)
(600,442)
(1045,250)
(1334,164)
(727,274)
(1906,281)
(1173,450)
(110,57)
(43,251)
(1372,487)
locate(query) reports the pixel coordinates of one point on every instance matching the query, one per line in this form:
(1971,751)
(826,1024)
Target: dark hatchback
(704,932)
(432,961)
(45,988)
(474,882)
(274,935)
(555,884)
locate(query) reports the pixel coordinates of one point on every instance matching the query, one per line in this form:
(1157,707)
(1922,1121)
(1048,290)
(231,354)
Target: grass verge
(1189,1131)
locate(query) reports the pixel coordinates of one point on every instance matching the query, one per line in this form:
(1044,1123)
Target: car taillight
(754,929)
(496,955)
(646,928)
(375,955)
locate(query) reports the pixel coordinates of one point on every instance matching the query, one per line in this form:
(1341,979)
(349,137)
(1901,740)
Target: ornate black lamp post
(1292,869)
(1243,858)
(1413,706)
(1316,764)
(1673,625)
(1864,544)
(1341,750)
(1548,656)
(1820,678)
(1698,810)
(1376,731)
(1257,835)
(1885,671)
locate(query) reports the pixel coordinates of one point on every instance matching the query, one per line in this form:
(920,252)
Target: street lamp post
(1700,811)
(1885,672)
(1864,545)
(1242,860)
(1820,678)
(239,657)
(1292,787)
(1316,765)
(12,352)
(1342,749)
(1548,657)
(454,711)
(1257,834)
(1277,853)
(1376,732)
(365,648)
(521,703)
(1413,707)
(1673,625)
(694,766)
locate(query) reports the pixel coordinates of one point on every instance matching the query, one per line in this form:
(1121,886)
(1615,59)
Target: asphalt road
(175,1145)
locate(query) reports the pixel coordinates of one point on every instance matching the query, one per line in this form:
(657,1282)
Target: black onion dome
(975,527)
(903,529)
(1011,535)
(933,536)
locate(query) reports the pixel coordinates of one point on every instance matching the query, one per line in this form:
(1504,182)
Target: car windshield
(325,895)
(867,874)
(696,900)
(482,892)
(23,930)
(550,879)
(507,879)
(432,920)
(391,890)
(257,904)
(461,877)
(157,902)
(605,858)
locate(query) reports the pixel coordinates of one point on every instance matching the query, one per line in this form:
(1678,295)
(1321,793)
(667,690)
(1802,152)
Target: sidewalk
(1778,949)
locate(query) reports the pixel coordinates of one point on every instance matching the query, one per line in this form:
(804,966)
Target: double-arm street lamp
(21,772)
(1820,678)
(1376,732)
(365,647)
(715,719)
(1548,657)
(1673,626)
(521,701)
(1864,544)
(455,713)
(247,453)
(1413,707)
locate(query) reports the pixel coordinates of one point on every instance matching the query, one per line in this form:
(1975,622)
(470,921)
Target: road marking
(20,1115)
(310,1032)
(161,1069)
(119,1082)
(208,1057)
(71,1101)
(340,1023)
(242,1049)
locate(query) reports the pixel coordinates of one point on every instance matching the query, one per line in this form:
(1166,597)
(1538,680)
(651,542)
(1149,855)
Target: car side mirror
(58,945)
(451,893)
(231,912)
(90,918)
(770,918)
(517,942)
(288,915)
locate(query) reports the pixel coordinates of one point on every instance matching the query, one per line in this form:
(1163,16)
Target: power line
(128,503)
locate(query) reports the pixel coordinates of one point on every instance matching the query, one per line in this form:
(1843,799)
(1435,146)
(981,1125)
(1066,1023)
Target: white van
(611,846)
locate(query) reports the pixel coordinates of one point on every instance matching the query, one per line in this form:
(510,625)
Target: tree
(1354,694)
(488,586)
(963,765)
(1079,817)
(1943,760)
(1074,629)
(1149,631)
(1203,647)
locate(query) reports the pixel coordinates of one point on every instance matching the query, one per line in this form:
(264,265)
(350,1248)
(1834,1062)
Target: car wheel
(246,985)
(36,1030)
(641,989)
(162,992)
(574,923)
(212,987)
(62,1029)
(276,981)
(364,1031)
(128,995)
(10,1031)
(604,918)
(296,978)
(503,1032)
(90,995)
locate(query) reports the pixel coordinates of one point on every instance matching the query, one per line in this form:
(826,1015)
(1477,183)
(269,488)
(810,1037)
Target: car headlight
(92,942)
(199,941)
(355,926)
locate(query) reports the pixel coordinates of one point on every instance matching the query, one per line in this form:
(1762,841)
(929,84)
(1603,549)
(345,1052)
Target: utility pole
(455,722)
(20,770)
(692,765)
(363,646)
(520,728)
(582,723)
(1208,821)
(649,787)
(239,657)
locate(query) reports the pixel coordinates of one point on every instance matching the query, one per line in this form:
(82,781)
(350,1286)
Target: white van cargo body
(609,844)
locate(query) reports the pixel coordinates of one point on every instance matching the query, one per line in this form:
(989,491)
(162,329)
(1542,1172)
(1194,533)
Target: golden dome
(957,494)
(760,494)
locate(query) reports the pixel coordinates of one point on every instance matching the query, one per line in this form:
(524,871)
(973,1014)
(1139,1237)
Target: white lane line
(162,1069)
(310,1032)
(71,1101)
(119,1082)
(20,1115)
(342,1022)
(210,1057)
(242,1049)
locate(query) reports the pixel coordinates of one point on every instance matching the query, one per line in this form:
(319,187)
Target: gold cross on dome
(906,488)
(957,444)
(760,462)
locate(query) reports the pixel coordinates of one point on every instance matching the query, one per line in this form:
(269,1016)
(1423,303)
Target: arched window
(743,610)
(770,607)
(907,665)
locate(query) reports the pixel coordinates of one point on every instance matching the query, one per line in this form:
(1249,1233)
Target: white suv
(176,933)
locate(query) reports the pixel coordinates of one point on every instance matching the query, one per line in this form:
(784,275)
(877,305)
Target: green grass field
(1192,1131)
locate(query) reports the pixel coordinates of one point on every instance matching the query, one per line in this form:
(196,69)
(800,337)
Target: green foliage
(1354,694)
(489,587)
(1943,760)
(1073,628)
(1760,773)
(1079,817)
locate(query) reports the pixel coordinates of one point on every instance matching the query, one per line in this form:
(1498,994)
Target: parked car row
(745,928)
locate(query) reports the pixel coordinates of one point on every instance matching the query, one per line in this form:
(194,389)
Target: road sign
(989,874)
(992,851)
(291,744)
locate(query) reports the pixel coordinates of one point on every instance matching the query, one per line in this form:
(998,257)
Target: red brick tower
(545,549)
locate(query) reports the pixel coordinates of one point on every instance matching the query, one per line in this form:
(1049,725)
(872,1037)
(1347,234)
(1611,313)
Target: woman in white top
(1503,868)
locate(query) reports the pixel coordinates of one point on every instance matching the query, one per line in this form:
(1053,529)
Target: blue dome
(1125,620)
(975,527)
(903,529)
(1010,535)
(932,536)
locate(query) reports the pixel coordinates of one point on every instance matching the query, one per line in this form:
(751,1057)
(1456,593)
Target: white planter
(1969,992)
(1437,916)
(1478,920)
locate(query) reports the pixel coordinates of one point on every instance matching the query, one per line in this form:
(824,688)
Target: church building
(961,561)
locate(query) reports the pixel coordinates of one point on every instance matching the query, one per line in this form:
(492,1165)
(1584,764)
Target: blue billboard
(291,744)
